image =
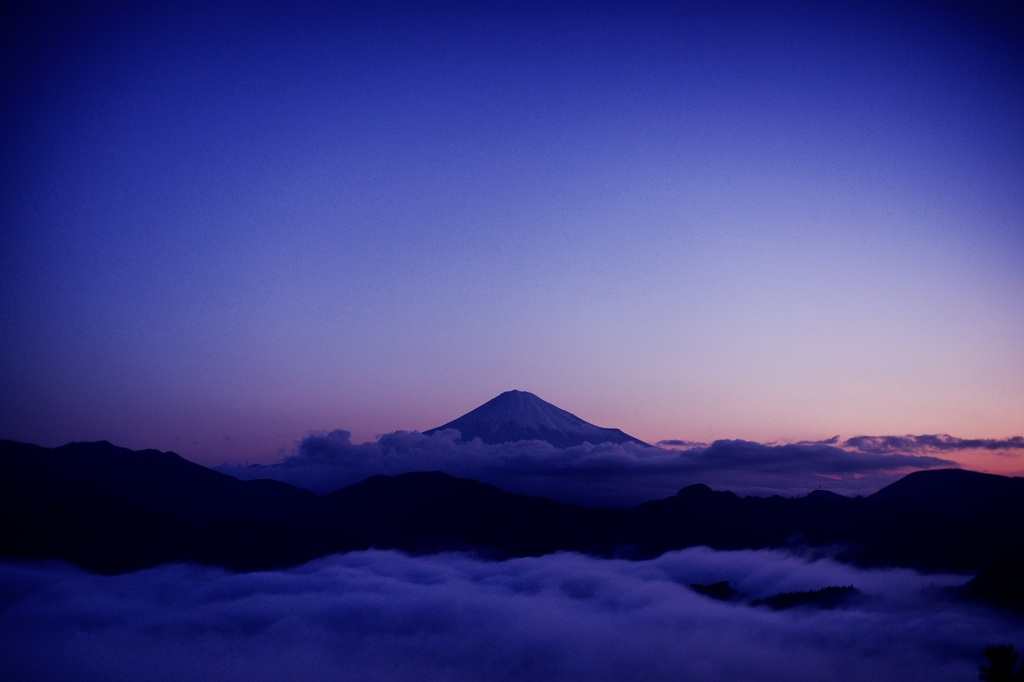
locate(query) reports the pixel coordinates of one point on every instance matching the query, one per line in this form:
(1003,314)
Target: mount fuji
(519,415)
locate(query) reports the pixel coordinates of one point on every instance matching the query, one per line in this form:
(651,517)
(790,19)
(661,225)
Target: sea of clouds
(383,615)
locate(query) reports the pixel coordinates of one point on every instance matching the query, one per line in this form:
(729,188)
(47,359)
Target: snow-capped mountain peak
(520,415)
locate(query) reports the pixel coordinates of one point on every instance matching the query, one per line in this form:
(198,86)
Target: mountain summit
(518,415)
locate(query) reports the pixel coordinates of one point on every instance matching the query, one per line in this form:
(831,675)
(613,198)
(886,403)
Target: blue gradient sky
(227,226)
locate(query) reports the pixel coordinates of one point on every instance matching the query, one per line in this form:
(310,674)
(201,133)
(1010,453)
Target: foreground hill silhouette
(519,415)
(112,510)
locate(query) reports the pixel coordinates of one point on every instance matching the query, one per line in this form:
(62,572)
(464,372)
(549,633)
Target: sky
(387,616)
(229,226)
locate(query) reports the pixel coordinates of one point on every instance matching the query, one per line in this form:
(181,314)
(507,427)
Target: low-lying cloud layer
(607,474)
(387,616)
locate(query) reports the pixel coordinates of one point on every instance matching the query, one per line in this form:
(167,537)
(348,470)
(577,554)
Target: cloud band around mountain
(607,474)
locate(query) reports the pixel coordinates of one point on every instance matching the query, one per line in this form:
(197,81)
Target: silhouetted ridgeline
(109,509)
(825,598)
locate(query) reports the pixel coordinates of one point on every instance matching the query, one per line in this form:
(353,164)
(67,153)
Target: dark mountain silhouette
(433,511)
(161,481)
(825,598)
(111,510)
(947,519)
(1000,583)
(518,415)
(722,590)
(960,493)
(887,528)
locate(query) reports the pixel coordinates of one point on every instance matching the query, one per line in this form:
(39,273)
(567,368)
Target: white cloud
(607,474)
(387,616)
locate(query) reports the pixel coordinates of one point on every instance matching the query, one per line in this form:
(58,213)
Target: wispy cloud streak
(933,443)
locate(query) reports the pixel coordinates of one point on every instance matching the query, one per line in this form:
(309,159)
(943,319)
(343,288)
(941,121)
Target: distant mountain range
(519,415)
(112,510)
